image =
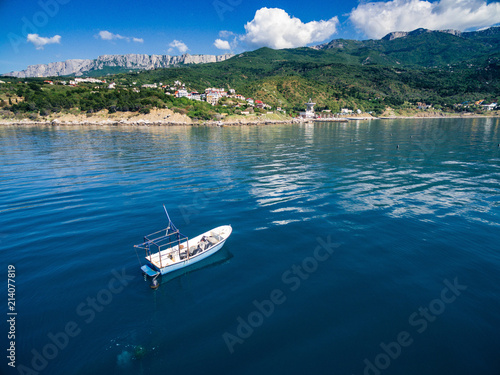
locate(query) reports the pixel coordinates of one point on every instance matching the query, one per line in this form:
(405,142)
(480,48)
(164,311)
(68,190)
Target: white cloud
(40,41)
(221,44)
(177,44)
(273,27)
(106,35)
(376,19)
(226,34)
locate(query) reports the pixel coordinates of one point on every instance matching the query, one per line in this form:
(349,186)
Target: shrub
(182,111)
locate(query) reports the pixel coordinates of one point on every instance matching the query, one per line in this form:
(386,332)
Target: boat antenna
(170,224)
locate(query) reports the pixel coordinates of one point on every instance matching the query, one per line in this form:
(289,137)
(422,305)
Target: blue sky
(44,31)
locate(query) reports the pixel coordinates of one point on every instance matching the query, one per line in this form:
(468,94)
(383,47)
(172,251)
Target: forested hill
(420,48)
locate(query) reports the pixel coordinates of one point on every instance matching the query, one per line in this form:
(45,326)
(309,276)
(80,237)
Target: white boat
(168,250)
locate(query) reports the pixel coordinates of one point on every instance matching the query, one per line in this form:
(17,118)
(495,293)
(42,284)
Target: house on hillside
(490,107)
(182,93)
(195,96)
(213,98)
(423,105)
(259,104)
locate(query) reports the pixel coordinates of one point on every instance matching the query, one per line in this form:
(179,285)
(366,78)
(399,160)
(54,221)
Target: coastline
(157,117)
(169,118)
(149,123)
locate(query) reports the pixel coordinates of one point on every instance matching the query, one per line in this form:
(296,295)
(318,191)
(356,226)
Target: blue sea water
(357,248)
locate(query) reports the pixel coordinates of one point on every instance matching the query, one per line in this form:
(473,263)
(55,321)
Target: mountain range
(421,47)
(112,64)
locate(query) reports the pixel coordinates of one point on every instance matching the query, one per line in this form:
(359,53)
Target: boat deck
(171,256)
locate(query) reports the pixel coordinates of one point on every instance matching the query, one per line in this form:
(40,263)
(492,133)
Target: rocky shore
(157,117)
(166,117)
(150,123)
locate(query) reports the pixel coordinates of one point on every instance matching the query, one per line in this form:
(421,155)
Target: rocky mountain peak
(79,67)
(402,34)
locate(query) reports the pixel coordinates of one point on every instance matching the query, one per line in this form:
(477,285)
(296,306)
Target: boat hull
(187,262)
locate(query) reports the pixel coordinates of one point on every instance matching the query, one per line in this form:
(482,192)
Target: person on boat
(203,243)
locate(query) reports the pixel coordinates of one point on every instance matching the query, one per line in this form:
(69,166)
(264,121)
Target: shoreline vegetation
(166,117)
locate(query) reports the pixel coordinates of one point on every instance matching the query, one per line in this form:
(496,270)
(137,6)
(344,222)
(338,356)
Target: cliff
(80,67)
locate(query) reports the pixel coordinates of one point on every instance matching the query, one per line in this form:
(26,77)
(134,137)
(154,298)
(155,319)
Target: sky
(43,31)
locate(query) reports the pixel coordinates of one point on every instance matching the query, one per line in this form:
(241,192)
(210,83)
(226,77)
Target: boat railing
(162,240)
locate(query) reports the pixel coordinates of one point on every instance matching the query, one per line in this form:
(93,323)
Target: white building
(309,113)
(182,93)
(490,107)
(213,90)
(194,96)
(89,80)
(213,98)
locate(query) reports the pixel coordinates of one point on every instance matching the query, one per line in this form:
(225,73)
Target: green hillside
(421,48)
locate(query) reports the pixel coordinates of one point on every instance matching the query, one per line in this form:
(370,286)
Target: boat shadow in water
(220,257)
